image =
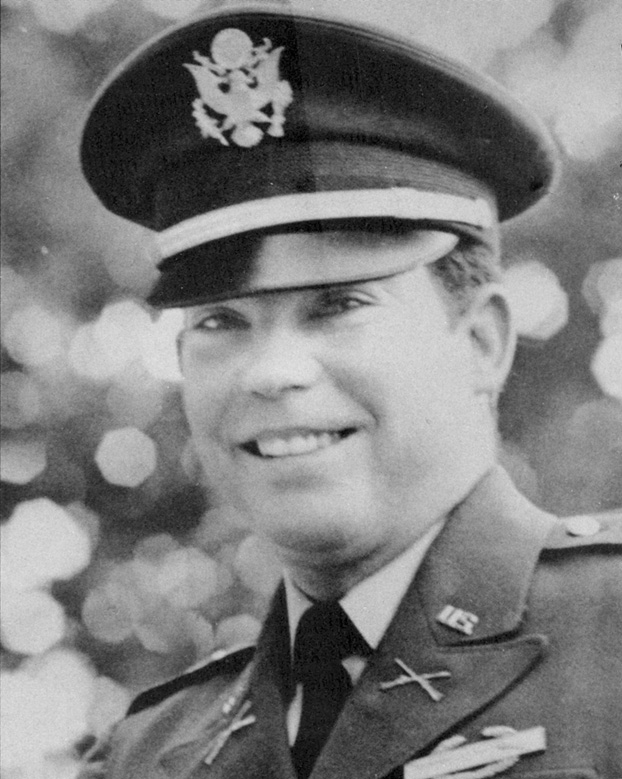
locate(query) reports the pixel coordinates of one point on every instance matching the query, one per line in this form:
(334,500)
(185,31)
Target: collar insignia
(458,619)
(241,719)
(423,680)
(239,87)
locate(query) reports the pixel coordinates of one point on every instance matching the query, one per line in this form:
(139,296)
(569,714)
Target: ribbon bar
(481,753)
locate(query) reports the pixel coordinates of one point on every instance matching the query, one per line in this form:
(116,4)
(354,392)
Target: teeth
(297,444)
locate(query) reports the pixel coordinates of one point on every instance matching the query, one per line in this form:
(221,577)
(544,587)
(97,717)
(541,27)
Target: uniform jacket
(542,647)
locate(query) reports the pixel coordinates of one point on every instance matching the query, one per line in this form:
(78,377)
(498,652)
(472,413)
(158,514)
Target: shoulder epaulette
(220,662)
(586,530)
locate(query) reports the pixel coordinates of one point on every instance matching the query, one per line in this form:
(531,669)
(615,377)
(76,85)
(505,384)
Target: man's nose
(280,363)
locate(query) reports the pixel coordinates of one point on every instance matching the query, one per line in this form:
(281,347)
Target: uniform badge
(458,619)
(241,719)
(239,87)
(501,748)
(423,680)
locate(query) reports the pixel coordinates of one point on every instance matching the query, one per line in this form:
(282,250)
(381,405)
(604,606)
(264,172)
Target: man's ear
(489,325)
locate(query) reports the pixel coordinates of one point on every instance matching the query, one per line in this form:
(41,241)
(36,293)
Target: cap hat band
(394,202)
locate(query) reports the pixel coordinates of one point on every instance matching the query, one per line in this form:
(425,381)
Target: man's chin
(323,541)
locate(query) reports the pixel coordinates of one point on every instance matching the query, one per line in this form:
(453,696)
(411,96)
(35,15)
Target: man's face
(342,420)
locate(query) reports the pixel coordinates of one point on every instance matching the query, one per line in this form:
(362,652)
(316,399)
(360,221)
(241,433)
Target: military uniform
(544,598)
(503,656)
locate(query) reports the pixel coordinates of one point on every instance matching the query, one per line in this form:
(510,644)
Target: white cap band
(396,203)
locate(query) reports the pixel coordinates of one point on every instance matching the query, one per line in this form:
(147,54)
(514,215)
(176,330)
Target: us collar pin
(423,680)
(241,719)
(458,619)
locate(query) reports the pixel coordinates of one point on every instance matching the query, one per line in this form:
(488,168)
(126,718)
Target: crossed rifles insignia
(239,87)
(454,758)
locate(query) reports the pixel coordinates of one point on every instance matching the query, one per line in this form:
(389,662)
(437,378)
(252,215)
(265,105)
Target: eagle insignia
(239,88)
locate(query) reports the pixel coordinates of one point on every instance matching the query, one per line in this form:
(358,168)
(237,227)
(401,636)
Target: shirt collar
(372,603)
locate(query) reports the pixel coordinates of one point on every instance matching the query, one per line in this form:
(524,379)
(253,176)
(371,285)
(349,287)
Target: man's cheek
(199,407)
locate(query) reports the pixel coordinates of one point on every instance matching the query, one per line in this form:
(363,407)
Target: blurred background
(117,572)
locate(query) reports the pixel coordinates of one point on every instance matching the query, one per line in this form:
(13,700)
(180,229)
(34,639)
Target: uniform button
(582,526)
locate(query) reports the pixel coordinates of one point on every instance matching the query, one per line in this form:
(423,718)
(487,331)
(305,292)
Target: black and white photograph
(311,389)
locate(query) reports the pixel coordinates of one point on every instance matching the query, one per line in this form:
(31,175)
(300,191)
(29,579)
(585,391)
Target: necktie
(325,636)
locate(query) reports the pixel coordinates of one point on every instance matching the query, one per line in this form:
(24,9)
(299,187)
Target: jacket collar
(372,603)
(482,562)
(260,750)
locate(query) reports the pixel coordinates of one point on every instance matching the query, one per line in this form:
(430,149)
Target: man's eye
(218,321)
(335,302)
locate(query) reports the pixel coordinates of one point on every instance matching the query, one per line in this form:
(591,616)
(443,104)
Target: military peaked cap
(255,119)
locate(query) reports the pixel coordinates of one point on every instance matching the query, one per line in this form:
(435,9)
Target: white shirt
(371,605)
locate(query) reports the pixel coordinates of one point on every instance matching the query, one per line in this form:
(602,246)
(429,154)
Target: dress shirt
(371,605)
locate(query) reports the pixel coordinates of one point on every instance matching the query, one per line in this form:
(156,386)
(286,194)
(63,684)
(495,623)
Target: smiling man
(326,201)
(344,420)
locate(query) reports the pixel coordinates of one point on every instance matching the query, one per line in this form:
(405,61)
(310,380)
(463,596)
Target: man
(327,201)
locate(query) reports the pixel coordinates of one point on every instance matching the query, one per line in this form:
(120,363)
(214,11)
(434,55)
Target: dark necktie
(325,636)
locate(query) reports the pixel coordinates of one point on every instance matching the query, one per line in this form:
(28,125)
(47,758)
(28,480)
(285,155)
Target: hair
(464,271)
(461,274)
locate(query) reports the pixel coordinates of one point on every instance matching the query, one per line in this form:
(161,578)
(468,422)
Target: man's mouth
(298,443)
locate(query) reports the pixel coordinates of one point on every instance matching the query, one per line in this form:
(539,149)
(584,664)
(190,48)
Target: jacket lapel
(482,563)
(262,751)
(258,750)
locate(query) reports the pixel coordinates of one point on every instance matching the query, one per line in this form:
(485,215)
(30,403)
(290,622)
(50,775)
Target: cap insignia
(239,87)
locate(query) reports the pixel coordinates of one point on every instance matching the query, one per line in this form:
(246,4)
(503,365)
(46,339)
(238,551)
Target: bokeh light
(109,702)
(602,285)
(22,461)
(126,457)
(240,630)
(155,548)
(106,614)
(611,318)
(472,30)
(578,87)
(14,294)
(588,89)
(65,16)
(20,400)
(118,332)
(539,303)
(85,358)
(602,290)
(159,346)
(34,336)
(42,542)
(124,334)
(45,706)
(32,620)
(607,365)
(186,578)
(172,9)
(102,349)
(165,598)
(88,521)
(136,398)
